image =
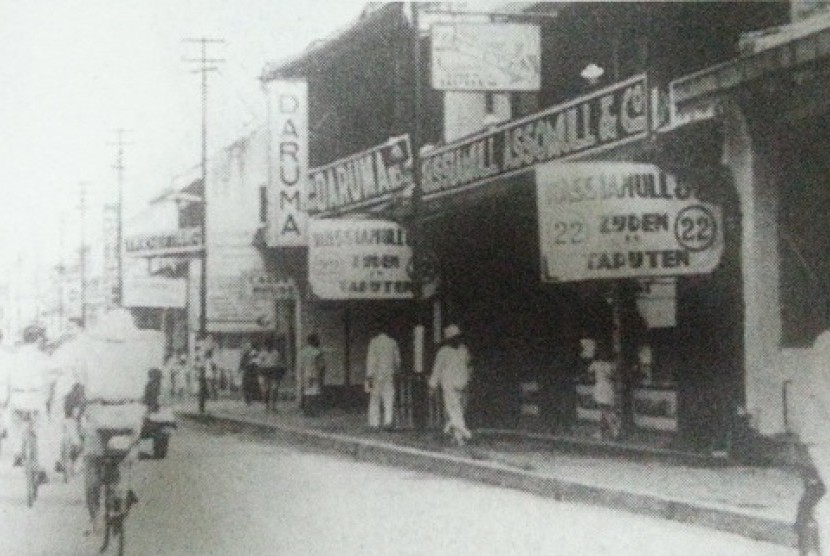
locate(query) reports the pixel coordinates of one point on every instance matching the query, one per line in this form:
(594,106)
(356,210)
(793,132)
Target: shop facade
(160,279)
(772,106)
(678,328)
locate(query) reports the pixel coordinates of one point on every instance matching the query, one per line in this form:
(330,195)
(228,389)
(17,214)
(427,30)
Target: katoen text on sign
(613,116)
(605,220)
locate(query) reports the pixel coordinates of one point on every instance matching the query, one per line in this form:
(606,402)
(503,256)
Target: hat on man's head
(451,331)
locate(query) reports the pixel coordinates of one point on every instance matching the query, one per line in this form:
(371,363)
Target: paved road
(225,494)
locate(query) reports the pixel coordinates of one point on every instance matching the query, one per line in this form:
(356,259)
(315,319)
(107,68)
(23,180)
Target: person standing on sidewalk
(312,369)
(271,370)
(383,363)
(604,371)
(451,371)
(248,372)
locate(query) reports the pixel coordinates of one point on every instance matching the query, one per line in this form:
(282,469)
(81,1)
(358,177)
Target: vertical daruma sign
(288,163)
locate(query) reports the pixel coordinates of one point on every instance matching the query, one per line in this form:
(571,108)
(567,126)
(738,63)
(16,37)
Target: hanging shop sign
(154,291)
(362,179)
(610,117)
(486,57)
(232,304)
(608,220)
(288,163)
(267,285)
(359,259)
(185,240)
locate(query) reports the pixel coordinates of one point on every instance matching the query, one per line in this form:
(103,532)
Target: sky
(74,71)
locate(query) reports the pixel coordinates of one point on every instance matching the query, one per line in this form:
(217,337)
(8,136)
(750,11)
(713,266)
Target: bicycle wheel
(30,467)
(119,532)
(66,460)
(808,539)
(107,519)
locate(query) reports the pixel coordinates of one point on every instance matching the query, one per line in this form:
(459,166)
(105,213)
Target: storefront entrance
(521,332)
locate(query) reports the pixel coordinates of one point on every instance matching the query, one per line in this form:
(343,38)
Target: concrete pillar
(746,154)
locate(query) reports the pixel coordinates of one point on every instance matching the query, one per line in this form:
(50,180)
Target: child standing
(604,370)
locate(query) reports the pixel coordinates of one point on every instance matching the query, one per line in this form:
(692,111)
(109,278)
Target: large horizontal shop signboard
(607,220)
(610,117)
(359,259)
(486,57)
(185,240)
(362,179)
(155,291)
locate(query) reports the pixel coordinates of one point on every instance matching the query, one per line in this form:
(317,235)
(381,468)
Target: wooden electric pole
(118,296)
(205,66)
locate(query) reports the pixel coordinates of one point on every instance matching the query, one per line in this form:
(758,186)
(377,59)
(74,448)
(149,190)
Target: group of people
(71,394)
(450,373)
(262,367)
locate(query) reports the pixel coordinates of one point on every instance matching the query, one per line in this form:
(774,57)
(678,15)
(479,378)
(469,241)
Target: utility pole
(82,207)
(118,298)
(205,66)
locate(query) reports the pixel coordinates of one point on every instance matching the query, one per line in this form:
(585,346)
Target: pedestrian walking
(451,372)
(271,370)
(383,363)
(172,366)
(248,372)
(312,370)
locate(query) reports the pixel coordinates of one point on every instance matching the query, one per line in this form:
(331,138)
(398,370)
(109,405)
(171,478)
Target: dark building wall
(669,39)
(361,87)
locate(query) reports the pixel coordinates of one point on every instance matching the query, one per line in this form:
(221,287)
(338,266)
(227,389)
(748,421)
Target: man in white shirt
(451,371)
(383,362)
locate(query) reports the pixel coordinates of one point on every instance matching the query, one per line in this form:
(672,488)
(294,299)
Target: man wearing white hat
(451,371)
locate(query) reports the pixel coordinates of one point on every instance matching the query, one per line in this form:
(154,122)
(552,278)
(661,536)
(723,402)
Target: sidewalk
(755,502)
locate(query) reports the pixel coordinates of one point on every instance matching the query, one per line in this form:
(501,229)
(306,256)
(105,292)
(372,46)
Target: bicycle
(68,450)
(117,503)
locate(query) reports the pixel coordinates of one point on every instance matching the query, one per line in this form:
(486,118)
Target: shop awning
(788,48)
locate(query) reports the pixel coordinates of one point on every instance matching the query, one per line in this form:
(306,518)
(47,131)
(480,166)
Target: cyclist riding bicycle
(28,394)
(113,356)
(5,367)
(101,415)
(74,403)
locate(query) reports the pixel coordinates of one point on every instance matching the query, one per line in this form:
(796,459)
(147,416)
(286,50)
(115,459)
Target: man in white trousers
(383,362)
(451,371)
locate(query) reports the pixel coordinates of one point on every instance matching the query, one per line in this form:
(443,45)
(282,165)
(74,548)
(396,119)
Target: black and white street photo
(408,278)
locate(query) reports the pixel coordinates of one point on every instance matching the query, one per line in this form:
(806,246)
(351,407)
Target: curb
(754,527)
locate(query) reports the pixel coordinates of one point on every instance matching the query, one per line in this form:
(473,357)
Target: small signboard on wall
(486,57)
(610,220)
